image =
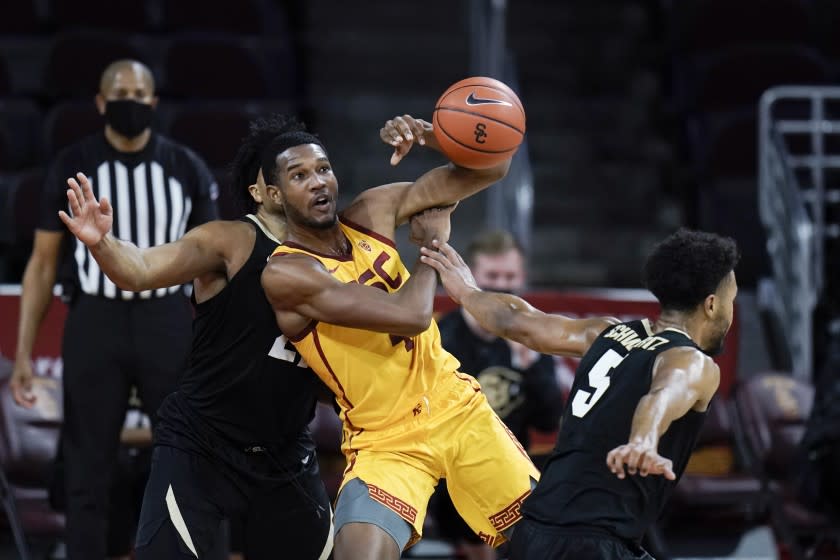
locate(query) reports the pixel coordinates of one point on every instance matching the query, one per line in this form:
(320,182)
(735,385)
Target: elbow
(422,323)
(417,324)
(502,169)
(496,173)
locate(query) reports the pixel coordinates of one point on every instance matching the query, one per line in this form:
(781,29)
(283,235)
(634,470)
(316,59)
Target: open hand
(641,458)
(91,219)
(454,272)
(402,132)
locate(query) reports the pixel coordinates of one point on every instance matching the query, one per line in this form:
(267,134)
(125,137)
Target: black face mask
(127,117)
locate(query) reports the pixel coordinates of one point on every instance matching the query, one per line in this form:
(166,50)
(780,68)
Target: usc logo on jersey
(365,245)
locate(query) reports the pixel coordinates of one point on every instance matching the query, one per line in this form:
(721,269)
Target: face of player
(721,316)
(308,187)
(503,272)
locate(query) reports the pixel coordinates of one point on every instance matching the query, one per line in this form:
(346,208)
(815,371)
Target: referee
(113,339)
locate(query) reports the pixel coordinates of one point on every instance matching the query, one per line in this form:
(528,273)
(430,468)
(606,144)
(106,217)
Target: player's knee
(358,541)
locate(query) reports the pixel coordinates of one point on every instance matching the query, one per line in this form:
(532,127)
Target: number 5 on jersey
(599,380)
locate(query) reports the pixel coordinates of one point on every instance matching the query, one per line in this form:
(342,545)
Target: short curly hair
(687,267)
(246,164)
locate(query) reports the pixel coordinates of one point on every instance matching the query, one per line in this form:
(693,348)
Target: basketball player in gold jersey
(364,324)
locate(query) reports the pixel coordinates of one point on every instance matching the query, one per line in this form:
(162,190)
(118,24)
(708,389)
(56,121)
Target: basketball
(479,122)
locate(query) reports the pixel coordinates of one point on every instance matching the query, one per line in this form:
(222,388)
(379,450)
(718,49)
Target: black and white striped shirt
(156,195)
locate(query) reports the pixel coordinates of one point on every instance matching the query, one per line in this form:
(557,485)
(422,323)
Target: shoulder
(377,205)
(288,277)
(698,365)
(291,266)
(219,233)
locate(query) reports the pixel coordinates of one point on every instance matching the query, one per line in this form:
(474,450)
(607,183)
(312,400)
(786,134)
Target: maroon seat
(326,430)
(235,70)
(737,77)
(76,60)
(774,408)
(719,488)
(28,439)
(705,25)
(215,15)
(229,123)
(70,121)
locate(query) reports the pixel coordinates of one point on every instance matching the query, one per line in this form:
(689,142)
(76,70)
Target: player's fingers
(664,467)
(449,252)
(68,221)
(105,205)
(668,470)
(632,460)
(615,461)
(73,185)
(433,257)
(647,465)
(403,128)
(74,202)
(390,133)
(418,130)
(87,190)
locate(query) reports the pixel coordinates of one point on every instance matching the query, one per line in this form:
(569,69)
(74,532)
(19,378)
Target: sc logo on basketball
(480,133)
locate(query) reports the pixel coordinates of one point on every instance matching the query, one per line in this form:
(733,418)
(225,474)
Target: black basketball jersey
(576,487)
(244,381)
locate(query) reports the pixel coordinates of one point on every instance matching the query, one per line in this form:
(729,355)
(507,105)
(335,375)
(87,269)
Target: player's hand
(402,132)
(431,224)
(21,383)
(454,272)
(91,219)
(639,457)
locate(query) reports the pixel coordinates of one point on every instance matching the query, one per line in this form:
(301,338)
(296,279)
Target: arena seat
(76,61)
(27,198)
(27,448)
(229,123)
(736,77)
(123,16)
(20,134)
(213,67)
(715,481)
(21,17)
(214,15)
(773,408)
(68,122)
(705,25)
(326,430)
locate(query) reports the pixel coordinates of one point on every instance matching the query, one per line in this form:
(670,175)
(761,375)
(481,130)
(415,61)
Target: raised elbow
(414,325)
(421,324)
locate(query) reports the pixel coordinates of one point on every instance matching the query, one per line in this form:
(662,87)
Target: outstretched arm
(510,316)
(130,267)
(683,379)
(301,289)
(386,207)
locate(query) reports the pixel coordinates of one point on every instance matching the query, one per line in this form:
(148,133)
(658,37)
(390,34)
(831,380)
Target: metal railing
(510,202)
(792,196)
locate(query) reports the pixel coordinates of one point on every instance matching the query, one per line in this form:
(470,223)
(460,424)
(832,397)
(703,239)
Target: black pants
(532,540)
(284,513)
(110,346)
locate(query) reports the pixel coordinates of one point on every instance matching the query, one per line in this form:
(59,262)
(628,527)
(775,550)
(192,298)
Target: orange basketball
(479,122)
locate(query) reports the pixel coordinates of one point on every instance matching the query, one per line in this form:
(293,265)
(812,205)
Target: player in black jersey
(637,403)
(232,441)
